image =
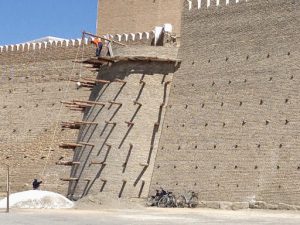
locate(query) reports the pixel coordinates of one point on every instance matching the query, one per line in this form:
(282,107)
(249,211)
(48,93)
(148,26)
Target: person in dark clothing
(163,192)
(36,184)
(157,194)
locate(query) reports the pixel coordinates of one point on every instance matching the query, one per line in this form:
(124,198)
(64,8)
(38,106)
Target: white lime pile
(37,199)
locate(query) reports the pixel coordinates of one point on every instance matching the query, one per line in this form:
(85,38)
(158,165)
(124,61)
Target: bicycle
(190,199)
(154,199)
(168,200)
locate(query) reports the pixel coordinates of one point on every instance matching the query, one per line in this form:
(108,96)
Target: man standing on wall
(99,45)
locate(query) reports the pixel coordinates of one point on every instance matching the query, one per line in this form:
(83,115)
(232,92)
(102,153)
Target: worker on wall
(99,45)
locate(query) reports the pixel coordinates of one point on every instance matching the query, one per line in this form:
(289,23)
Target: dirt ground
(147,216)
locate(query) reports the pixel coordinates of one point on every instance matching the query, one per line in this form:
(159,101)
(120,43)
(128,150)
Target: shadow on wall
(102,132)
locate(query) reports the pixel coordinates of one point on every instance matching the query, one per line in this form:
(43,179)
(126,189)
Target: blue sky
(24,20)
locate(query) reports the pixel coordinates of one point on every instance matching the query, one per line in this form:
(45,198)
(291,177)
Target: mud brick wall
(231,129)
(3,179)
(124,152)
(123,16)
(33,81)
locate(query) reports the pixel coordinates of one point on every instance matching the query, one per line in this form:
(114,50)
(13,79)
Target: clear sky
(25,20)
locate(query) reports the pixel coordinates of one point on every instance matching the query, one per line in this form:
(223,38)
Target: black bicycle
(168,200)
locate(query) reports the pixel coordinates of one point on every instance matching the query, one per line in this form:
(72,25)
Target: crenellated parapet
(40,45)
(204,4)
(129,38)
(140,36)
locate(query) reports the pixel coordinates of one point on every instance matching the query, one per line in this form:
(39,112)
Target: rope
(48,96)
(59,115)
(54,64)
(80,71)
(82,53)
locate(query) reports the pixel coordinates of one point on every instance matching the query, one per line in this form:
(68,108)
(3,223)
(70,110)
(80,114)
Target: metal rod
(8,190)
(93,35)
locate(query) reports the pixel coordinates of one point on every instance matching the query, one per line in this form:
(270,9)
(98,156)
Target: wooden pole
(8,190)
(93,35)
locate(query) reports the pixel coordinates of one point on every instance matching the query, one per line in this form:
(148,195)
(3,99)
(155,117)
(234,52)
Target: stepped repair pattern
(118,149)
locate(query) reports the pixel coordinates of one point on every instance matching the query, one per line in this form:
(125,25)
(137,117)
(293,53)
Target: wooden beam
(67,163)
(69,145)
(107,59)
(120,81)
(87,85)
(77,104)
(97,163)
(67,103)
(85,122)
(97,80)
(70,125)
(77,109)
(85,143)
(83,104)
(129,123)
(110,122)
(97,36)
(83,82)
(90,102)
(69,179)
(114,103)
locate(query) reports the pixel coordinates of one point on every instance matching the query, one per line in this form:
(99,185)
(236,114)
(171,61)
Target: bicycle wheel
(163,202)
(172,201)
(150,201)
(193,203)
(181,202)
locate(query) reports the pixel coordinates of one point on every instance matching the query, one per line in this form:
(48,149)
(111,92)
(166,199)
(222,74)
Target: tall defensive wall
(122,16)
(225,123)
(231,128)
(34,81)
(35,78)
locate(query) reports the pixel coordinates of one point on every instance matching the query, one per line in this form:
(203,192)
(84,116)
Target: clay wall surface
(33,81)
(122,158)
(231,129)
(3,172)
(131,16)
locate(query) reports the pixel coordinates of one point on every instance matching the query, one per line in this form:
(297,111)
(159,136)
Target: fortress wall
(33,82)
(128,150)
(137,15)
(231,129)
(34,79)
(3,172)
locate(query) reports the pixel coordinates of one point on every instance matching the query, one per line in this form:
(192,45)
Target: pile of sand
(37,199)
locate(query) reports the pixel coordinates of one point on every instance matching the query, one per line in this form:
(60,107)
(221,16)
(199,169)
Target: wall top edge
(200,4)
(122,37)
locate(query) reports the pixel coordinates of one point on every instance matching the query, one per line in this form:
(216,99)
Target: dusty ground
(148,216)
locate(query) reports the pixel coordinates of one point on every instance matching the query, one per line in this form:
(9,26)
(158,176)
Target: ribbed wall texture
(33,82)
(231,129)
(134,16)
